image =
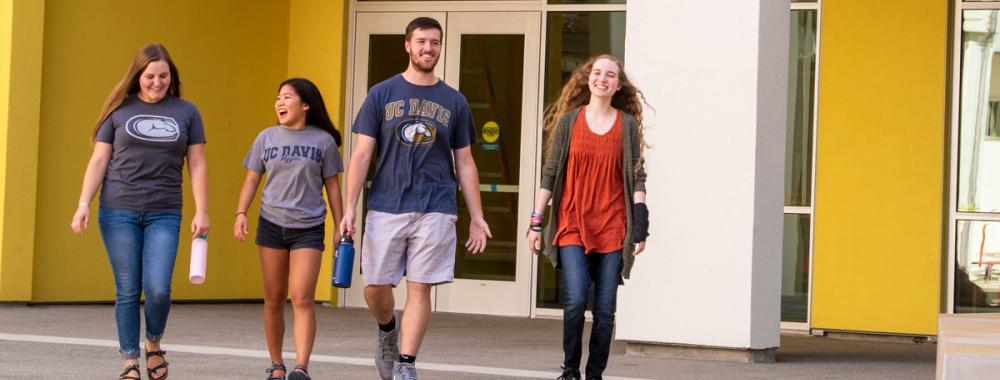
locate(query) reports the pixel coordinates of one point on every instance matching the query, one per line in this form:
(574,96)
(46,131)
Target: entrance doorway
(493,59)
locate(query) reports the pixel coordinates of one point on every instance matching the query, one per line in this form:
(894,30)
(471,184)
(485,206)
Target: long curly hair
(576,93)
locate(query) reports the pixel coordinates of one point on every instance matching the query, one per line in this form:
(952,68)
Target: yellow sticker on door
(491,131)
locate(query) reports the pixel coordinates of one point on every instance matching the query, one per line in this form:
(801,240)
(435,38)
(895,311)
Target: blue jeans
(142,247)
(579,270)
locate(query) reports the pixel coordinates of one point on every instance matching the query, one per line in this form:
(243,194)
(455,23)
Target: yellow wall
(6,39)
(21,26)
(880,178)
(317,36)
(231,55)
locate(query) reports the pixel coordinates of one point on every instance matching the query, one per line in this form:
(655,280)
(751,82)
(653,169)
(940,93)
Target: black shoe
(569,374)
(299,373)
(274,368)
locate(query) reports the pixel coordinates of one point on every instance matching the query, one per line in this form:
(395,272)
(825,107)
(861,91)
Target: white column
(715,73)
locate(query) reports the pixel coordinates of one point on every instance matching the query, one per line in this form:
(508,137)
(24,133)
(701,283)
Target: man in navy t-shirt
(418,123)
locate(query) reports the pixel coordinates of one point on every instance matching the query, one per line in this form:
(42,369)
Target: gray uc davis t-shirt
(148,144)
(296,162)
(416,129)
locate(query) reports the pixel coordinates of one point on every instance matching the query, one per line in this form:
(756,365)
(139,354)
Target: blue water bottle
(343,263)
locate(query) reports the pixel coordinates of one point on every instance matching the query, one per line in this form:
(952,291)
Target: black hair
(316,116)
(423,23)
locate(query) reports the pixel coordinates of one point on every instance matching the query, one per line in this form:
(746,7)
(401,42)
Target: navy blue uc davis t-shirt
(415,129)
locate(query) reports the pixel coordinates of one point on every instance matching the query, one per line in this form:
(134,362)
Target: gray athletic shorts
(422,245)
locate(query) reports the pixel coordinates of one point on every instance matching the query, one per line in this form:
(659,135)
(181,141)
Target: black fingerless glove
(640,222)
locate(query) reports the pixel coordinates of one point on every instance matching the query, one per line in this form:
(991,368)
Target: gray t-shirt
(296,162)
(149,142)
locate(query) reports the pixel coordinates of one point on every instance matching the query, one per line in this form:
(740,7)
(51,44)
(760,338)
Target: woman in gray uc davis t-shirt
(300,158)
(140,144)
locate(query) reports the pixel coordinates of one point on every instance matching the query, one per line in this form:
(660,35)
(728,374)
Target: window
(796,262)
(974,236)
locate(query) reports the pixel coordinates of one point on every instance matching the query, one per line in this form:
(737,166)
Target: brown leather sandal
(125,376)
(152,371)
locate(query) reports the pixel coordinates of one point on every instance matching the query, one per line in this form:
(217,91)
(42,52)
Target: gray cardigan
(554,177)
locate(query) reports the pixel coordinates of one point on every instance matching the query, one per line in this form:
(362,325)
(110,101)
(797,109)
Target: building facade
(889,216)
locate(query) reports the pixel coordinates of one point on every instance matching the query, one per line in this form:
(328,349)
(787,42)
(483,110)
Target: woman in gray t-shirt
(142,138)
(300,158)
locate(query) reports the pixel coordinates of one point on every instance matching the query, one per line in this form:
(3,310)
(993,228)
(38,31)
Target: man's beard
(418,64)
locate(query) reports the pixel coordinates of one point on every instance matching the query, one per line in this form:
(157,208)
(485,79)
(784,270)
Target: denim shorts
(271,235)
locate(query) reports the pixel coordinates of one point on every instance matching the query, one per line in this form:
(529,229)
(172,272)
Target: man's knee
(377,290)
(418,290)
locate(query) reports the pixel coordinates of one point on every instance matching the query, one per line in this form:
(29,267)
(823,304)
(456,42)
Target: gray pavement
(225,341)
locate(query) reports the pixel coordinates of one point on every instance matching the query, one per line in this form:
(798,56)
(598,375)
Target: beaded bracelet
(536,219)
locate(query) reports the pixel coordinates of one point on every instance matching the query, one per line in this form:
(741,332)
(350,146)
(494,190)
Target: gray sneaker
(387,350)
(404,371)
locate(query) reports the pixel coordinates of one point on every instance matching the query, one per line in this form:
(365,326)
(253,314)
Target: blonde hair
(576,93)
(129,84)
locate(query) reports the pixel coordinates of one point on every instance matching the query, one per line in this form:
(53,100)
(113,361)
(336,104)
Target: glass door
(492,59)
(378,55)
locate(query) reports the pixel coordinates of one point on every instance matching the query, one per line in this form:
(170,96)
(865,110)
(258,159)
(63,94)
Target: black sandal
(276,367)
(125,376)
(152,371)
(299,373)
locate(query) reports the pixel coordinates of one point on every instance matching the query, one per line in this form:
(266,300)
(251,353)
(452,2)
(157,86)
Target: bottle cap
(347,239)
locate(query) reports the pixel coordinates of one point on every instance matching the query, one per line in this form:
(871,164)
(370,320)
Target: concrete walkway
(225,341)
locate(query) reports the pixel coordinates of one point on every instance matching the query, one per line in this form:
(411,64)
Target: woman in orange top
(594,174)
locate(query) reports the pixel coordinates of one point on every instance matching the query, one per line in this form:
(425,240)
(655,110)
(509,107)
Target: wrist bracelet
(536,228)
(238,213)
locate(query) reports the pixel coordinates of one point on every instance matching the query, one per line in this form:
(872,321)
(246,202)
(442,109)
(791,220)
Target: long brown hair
(576,93)
(317,115)
(129,85)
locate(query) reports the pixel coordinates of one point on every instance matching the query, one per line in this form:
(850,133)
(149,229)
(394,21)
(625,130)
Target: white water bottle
(199,258)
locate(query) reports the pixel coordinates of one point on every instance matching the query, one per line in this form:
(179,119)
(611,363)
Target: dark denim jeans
(142,247)
(578,271)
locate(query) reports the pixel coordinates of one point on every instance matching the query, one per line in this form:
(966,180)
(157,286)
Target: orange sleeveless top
(592,213)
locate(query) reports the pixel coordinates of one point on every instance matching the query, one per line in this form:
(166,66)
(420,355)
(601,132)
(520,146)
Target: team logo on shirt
(416,132)
(153,128)
(292,153)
